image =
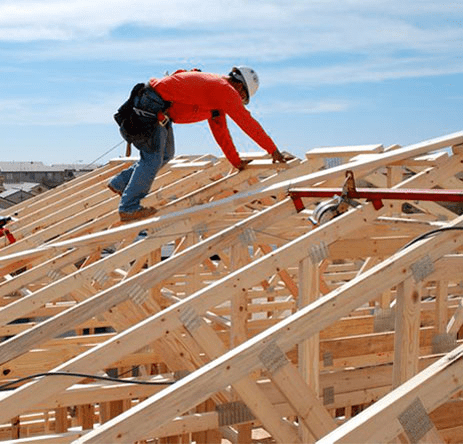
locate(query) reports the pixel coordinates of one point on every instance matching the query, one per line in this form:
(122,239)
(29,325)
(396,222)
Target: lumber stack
(230,317)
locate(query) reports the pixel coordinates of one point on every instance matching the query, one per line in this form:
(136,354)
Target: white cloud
(27,111)
(370,71)
(272,26)
(303,107)
(47,113)
(300,43)
(98,17)
(308,34)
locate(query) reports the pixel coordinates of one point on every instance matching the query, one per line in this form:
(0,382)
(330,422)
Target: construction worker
(186,97)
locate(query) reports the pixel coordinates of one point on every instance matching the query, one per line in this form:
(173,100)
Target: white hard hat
(248,77)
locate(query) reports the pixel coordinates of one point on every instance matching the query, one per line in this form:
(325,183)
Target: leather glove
(278,157)
(243,164)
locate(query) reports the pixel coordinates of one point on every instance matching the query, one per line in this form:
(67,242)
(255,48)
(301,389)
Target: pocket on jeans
(151,141)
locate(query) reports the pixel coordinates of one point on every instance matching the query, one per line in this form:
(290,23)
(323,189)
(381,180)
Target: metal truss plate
(273,358)
(100,277)
(384,320)
(422,268)
(234,413)
(55,275)
(318,252)
(327,359)
(138,294)
(443,343)
(328,395)
(247,237)
(190,319)
(415,421)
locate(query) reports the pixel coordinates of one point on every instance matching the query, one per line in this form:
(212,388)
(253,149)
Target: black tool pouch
(137,117)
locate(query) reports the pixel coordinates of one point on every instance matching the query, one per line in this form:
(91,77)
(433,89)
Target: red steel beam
(376,195)
(434,195)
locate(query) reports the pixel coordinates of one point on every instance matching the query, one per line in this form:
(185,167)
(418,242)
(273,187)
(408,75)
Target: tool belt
(140,117)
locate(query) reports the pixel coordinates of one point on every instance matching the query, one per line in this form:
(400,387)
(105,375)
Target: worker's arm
(219,129)
(243,118)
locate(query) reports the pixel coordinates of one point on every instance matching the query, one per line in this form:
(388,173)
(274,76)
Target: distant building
(17,192)
(21,180)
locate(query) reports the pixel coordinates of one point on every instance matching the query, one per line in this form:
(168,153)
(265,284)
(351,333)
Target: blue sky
(332,73)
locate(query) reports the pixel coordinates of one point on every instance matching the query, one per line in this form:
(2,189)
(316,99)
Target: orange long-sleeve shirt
(197,96)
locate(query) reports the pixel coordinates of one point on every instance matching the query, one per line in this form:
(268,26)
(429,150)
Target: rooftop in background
(22,180)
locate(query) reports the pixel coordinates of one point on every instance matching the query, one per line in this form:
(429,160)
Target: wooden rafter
(309,325)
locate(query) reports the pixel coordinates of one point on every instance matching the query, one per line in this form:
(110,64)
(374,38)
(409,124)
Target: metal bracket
(415,421)
(422,268)
(157,229)
(273,358)
(247,237)
(100,277)
(443,343)
(138,294)
(190,319)
(384,320)
(318,252)
(54,275)
(331,162)
(328,395)
(327,359)
(234,413)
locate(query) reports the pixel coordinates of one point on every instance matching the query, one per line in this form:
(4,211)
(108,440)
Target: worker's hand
(278,157)
(243,164)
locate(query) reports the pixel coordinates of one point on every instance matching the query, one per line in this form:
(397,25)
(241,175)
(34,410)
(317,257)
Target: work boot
(114,190)
(142,213)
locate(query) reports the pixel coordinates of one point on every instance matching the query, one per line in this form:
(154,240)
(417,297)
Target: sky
(332,73)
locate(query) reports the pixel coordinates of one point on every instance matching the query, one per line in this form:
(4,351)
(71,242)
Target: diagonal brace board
(135,337)
(244,359)
(117,294)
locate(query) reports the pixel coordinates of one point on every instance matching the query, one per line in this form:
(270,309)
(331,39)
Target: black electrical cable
(84,375)
(431,233)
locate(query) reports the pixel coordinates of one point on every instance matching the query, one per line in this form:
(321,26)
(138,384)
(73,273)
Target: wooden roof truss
(251,324)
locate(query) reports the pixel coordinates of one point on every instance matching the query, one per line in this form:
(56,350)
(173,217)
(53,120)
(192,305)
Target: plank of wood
(248,390)
(280,183)
(301,324)
(344,151)
(99,304)
(456,321)
(407,328)
(442,306)
(42,270)
(76,279)
(304,400)
(309,350)
(40,205)
(433,386)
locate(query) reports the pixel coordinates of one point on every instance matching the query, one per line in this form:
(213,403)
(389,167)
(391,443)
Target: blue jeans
(135,182)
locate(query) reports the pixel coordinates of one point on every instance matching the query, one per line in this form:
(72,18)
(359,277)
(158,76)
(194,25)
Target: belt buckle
(164,121)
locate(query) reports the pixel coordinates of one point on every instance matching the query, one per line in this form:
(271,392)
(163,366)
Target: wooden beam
(381,423)
(233,365)
(119,293)
(407,328)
